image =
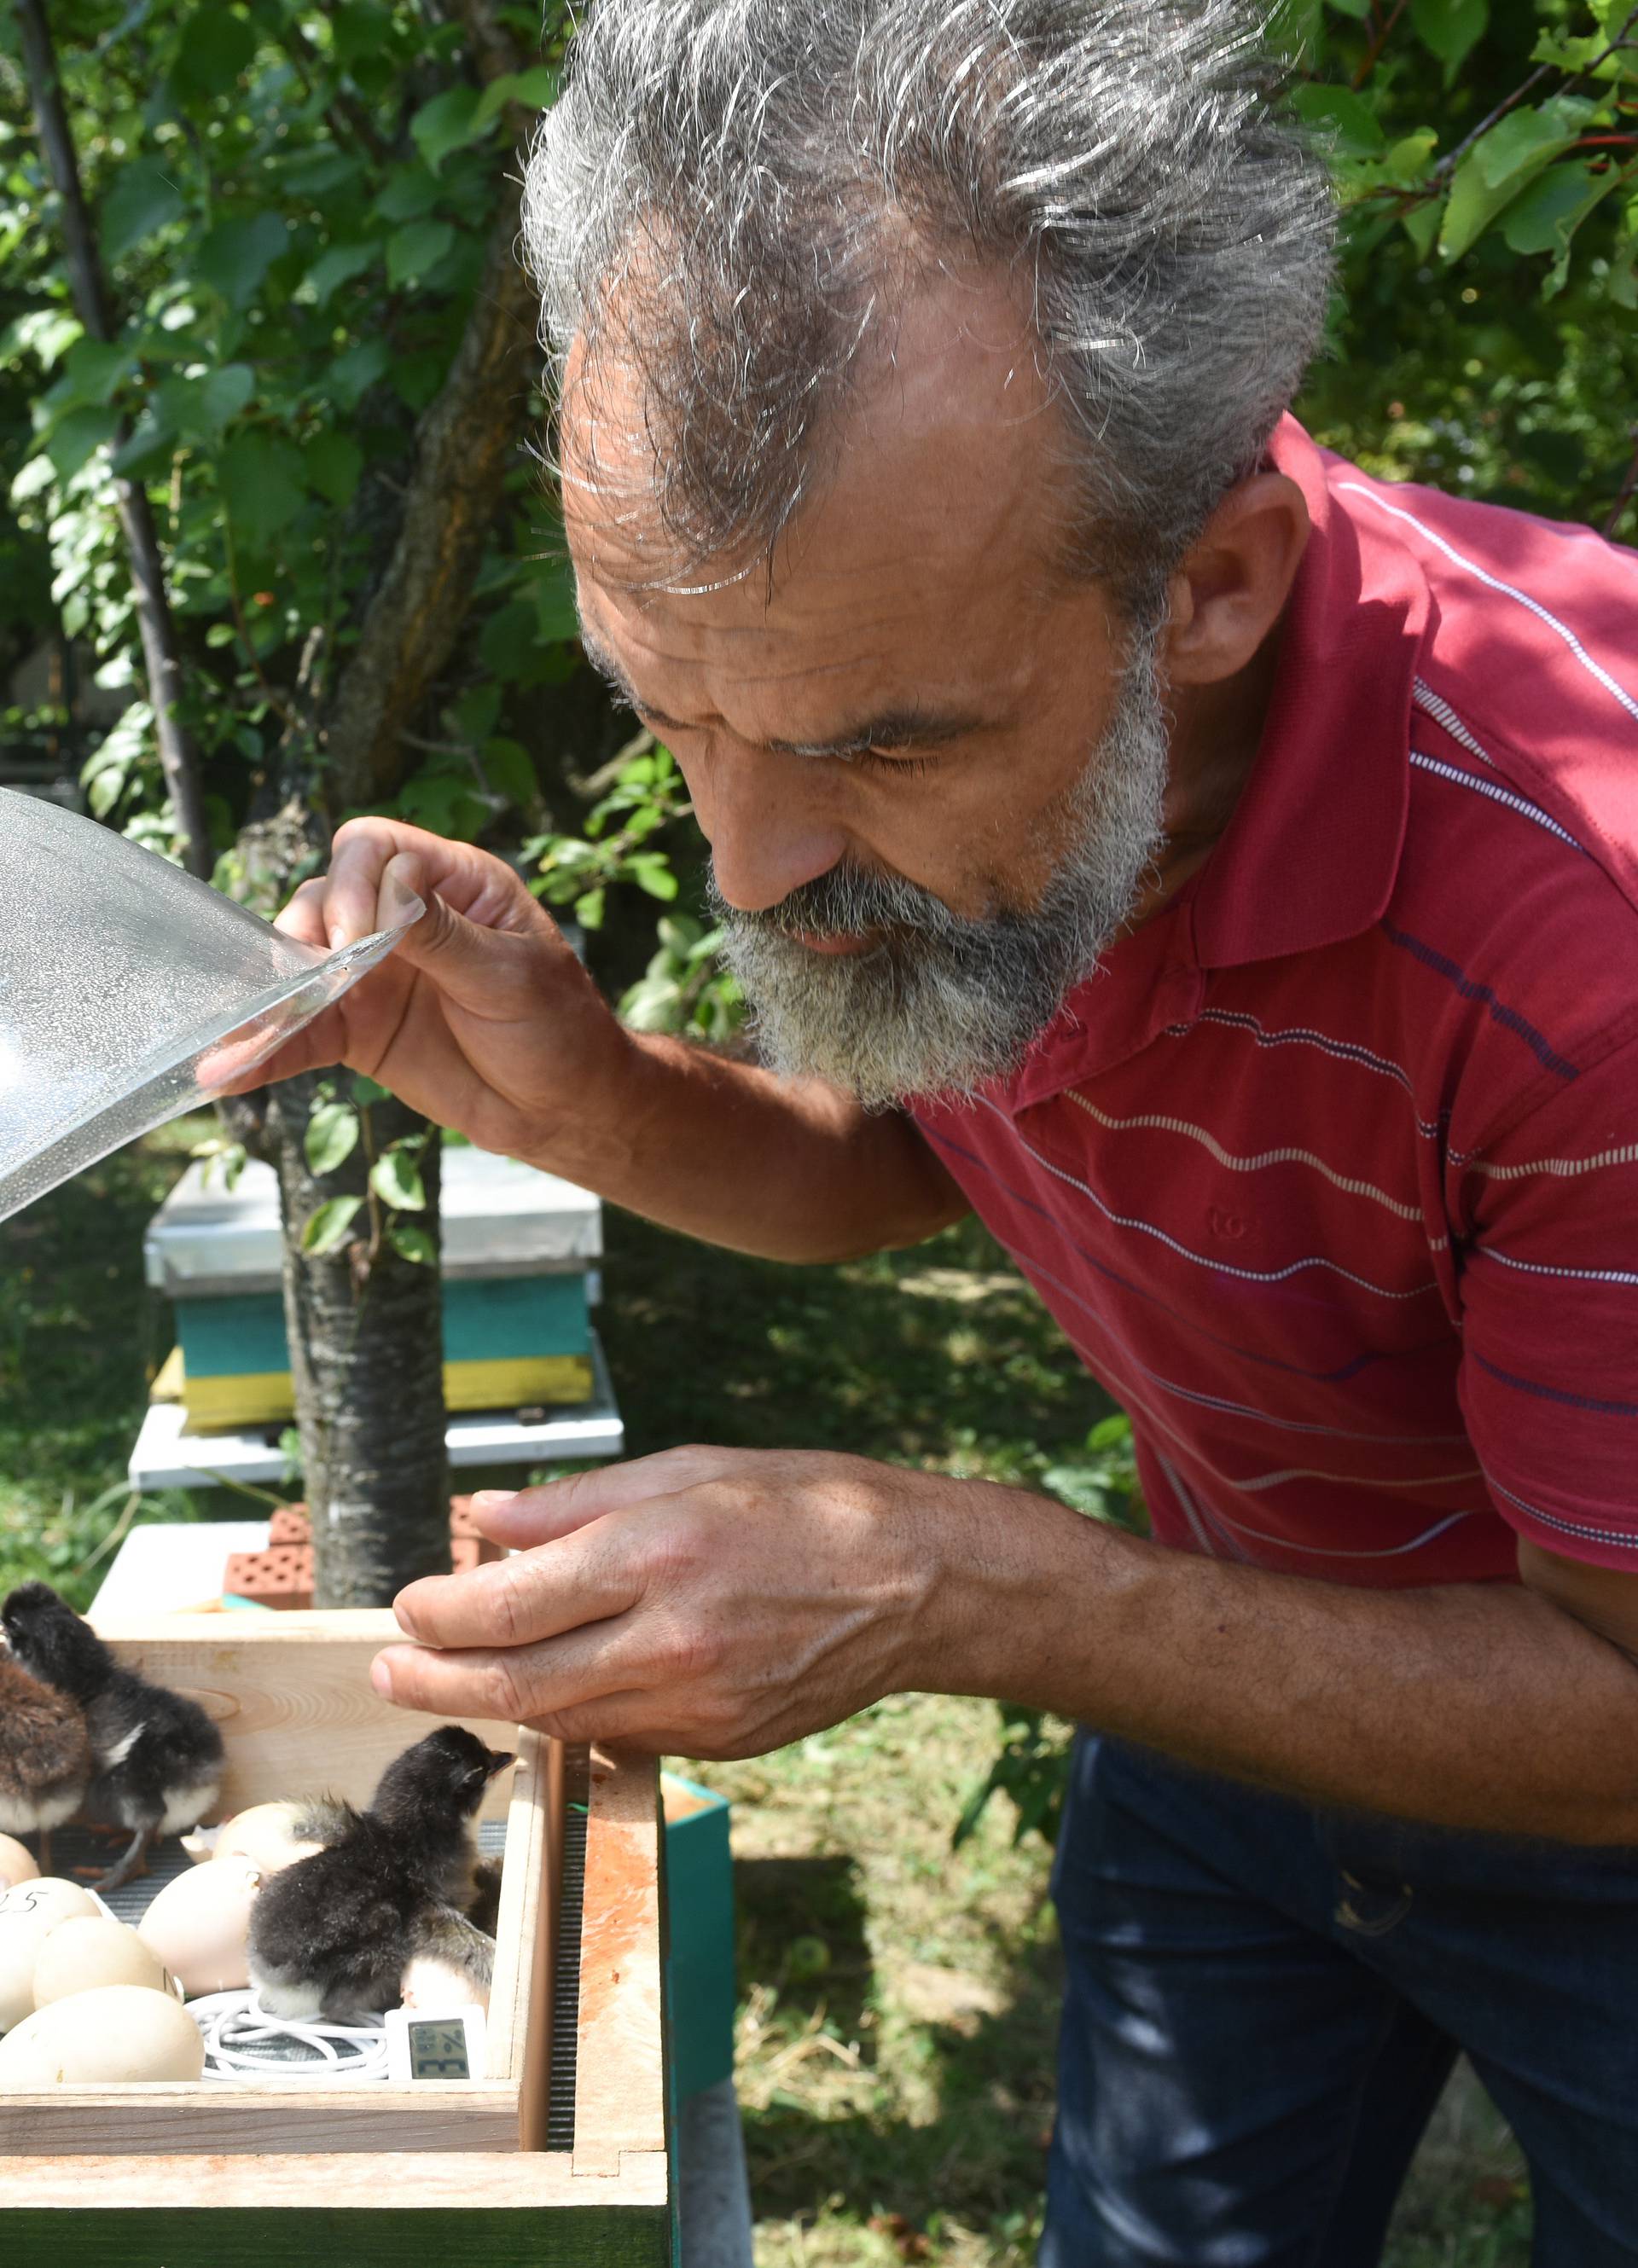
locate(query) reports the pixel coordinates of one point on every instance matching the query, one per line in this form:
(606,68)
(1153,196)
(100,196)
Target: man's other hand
(703,1602)
(482,1019)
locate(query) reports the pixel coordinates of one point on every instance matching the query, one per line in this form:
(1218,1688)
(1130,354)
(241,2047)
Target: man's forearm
(1473,1705)
(724,1152)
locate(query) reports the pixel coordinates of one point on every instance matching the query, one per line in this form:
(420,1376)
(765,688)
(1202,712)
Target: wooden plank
(620,2078)
(529,2210)
(523,2181)
(150,2119)
(533,2075)
(291,1693)
(518,1923)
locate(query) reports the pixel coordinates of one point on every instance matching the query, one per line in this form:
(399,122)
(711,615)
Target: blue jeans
(1264,2001)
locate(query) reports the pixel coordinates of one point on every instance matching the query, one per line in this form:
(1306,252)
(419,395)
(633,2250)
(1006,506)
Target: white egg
(16,1865)
(48,1899)
(266,1835)
(105,2038)
(199,1925)
(21,1937)
(82,1955)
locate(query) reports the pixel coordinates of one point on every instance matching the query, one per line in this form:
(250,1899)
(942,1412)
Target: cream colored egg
(16,1865)
(21,1937)
(48,1899)
(199,1925)
(82,1955)
(266,1835)
(105,2038)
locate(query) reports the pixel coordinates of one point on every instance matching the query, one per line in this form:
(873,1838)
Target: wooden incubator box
(559,2155)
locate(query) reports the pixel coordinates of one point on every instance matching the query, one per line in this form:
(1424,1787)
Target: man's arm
(484,1019)
(722,1602)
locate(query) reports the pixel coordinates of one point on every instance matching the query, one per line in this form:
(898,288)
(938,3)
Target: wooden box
(559,2155)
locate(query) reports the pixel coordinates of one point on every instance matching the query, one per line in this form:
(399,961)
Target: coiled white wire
(233,2025)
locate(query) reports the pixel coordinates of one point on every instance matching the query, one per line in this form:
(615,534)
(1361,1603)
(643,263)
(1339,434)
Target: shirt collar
(1312,851)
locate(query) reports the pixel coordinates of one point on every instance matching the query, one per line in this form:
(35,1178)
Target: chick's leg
(134,1863)
(46,1867)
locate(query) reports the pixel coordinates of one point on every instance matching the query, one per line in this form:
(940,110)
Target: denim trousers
(1264,2001)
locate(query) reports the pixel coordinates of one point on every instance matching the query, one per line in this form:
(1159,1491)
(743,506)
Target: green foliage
(292,205)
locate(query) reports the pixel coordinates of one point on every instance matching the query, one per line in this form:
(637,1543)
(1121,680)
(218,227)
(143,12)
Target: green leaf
(352,374)
(92,372)
(33,478)
(1346,117)
(396,1180)
(367,1091)
(411,1243)
(449,122)
(338,265)
(76,440)
(234,256)
(412,251)
(410,193)
(1358,9)
(1421,225)
(143,198)
(328,1228)
(201,407)
(1551,210)
(152,443)
(261,480)
(218,45)
(508,636)
(1450,28)
(534,90)
(331,1138)
(652,873)
(1503,164)
(509,772)
(335,462)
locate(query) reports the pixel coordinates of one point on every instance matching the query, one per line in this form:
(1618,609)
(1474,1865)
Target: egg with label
(16,1865)
(88,1952)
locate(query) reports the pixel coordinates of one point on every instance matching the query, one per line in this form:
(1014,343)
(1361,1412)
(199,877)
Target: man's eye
(882,760)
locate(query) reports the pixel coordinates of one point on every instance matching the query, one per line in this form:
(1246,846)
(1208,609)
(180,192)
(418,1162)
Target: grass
(898,2001)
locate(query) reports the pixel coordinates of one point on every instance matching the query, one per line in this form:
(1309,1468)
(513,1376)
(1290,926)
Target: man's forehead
(947,449)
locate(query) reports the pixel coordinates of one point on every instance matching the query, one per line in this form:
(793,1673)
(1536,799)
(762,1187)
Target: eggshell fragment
(48,1899)
(16,1865)
(21,1937)
(265,1833)
(199,1925)
(105,2038)
(82,1955)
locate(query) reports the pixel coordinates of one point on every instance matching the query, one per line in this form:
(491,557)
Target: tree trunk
(365,1329)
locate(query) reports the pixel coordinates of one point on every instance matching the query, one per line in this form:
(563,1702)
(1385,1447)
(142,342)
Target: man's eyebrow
(895,728)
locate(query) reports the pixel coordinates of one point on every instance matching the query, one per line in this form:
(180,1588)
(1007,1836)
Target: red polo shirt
(1331,1173)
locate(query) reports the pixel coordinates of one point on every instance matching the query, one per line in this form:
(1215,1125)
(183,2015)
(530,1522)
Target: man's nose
(767,836)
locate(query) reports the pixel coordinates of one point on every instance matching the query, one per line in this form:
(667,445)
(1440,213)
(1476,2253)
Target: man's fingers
(517,1601)
(558,1508)
(511,1685)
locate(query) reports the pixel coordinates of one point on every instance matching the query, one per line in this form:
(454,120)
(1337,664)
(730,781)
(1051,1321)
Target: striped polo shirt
(1331,1173)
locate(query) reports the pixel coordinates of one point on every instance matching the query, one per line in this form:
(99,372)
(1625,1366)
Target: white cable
(233,2024)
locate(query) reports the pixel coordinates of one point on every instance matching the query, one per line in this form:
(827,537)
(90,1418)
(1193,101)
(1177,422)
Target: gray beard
(943,1004)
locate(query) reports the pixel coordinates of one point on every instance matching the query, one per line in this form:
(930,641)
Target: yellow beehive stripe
(267,1397)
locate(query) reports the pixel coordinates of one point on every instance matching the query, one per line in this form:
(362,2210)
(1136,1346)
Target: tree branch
(155,621)
(464,446)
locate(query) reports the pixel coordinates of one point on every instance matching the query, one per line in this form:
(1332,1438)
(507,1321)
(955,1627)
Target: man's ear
(1229,590)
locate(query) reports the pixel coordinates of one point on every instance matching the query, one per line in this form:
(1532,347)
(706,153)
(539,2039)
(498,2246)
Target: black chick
(44,1757)
(157,1758)
(332,1935)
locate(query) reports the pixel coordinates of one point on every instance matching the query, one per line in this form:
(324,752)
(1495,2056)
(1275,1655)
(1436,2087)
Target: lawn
(897,2000)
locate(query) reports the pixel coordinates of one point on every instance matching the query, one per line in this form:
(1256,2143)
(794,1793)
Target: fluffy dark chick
(44,1757)
(332,1935)
(157,1757)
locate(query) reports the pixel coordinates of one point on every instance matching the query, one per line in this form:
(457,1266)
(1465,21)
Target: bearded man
(1219,871)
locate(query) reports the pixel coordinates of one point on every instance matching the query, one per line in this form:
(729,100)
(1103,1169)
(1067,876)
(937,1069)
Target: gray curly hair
(732,196)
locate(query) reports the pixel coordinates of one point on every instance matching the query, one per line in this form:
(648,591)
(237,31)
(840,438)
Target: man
(1220,871)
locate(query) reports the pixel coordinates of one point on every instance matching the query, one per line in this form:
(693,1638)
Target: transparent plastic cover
(130,992)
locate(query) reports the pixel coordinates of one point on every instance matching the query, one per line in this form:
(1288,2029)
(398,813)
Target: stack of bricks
(282,1575)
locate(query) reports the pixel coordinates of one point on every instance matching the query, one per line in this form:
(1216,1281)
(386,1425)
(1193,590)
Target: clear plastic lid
(130,992)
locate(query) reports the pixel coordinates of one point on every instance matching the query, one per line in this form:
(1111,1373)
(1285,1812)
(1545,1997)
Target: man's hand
(483,1018)
(705,1602)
